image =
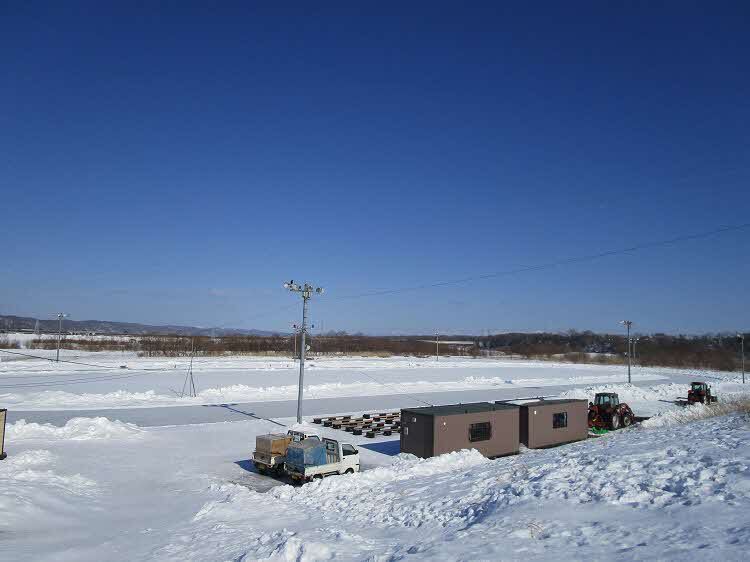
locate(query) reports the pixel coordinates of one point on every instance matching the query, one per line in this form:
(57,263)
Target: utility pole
(60,316)
(628,323)
(294,337)
(437,346)
(307,292)
(189,380)
(741,337)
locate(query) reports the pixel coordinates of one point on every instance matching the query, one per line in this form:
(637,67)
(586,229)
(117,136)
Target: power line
(396,389)
(548,265)
(56,360)
(85,380)
(107,367)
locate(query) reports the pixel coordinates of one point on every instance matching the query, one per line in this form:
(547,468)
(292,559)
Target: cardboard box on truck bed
(273,443)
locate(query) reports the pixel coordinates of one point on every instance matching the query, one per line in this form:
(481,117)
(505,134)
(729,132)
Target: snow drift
(731,404)
(77,429)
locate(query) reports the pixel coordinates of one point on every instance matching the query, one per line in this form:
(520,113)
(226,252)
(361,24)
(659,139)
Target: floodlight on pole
(306,291)
(628,324)
(60,316)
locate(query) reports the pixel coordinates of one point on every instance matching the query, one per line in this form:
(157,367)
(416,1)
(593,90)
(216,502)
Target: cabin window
(348,449)
(480,431)
(560,420)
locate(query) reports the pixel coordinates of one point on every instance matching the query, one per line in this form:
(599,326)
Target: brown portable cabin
(491,429)
(546,423)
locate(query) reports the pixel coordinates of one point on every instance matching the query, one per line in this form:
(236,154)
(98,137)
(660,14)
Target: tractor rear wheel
(615,421)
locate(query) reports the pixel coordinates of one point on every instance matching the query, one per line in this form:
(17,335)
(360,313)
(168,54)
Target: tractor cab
(607,400)
(698,387)
(606,412)
(700,392)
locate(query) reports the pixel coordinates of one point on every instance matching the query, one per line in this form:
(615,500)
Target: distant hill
(17,323)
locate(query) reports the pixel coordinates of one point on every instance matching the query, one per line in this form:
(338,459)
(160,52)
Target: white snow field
(37,384)
(95,486)
(98,490)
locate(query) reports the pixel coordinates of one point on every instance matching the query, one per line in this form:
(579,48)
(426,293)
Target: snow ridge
(76,429)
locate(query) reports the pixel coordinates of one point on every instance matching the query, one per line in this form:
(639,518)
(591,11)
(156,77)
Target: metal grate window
(560,420)
(480,431)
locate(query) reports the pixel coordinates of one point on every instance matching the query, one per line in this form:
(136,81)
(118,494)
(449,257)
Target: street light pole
(628,324)
(307,292)
(60,316)
(437,346)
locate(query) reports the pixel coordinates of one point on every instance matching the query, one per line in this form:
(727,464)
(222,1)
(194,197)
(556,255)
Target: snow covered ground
(101,490)
(34,384)
(96,488)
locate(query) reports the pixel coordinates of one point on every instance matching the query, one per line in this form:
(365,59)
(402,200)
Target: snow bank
(36,497)
(77,429)
(731,404)
(629,392)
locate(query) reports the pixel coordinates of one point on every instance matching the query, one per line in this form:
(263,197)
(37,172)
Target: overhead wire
(548,265)
(55,360)
(85,380)
(80,380)
(396,389)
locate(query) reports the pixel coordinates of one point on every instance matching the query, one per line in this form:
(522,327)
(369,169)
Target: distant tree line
(711,351)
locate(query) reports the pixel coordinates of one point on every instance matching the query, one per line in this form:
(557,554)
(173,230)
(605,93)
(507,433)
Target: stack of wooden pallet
(383,423)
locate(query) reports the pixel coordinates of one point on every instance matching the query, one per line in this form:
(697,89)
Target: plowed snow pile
(78,429)
(731,404)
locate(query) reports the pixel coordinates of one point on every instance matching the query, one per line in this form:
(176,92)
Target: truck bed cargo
(273,443)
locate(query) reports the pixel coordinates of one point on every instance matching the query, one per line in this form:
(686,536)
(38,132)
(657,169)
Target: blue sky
(176,162)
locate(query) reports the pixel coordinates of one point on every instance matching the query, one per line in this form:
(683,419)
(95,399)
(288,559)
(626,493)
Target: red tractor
(606,412)
(700,392)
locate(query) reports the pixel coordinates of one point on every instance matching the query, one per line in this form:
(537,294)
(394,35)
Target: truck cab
(309,460)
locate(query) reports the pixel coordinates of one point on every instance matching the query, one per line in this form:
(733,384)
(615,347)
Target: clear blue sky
(175,162)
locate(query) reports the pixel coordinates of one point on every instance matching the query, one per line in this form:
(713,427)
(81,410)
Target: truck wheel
(349,471)
(261,468)
(626,420)
(318,477)
(615,422)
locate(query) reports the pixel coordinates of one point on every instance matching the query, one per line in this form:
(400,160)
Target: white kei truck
(312,460)
(270,449)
